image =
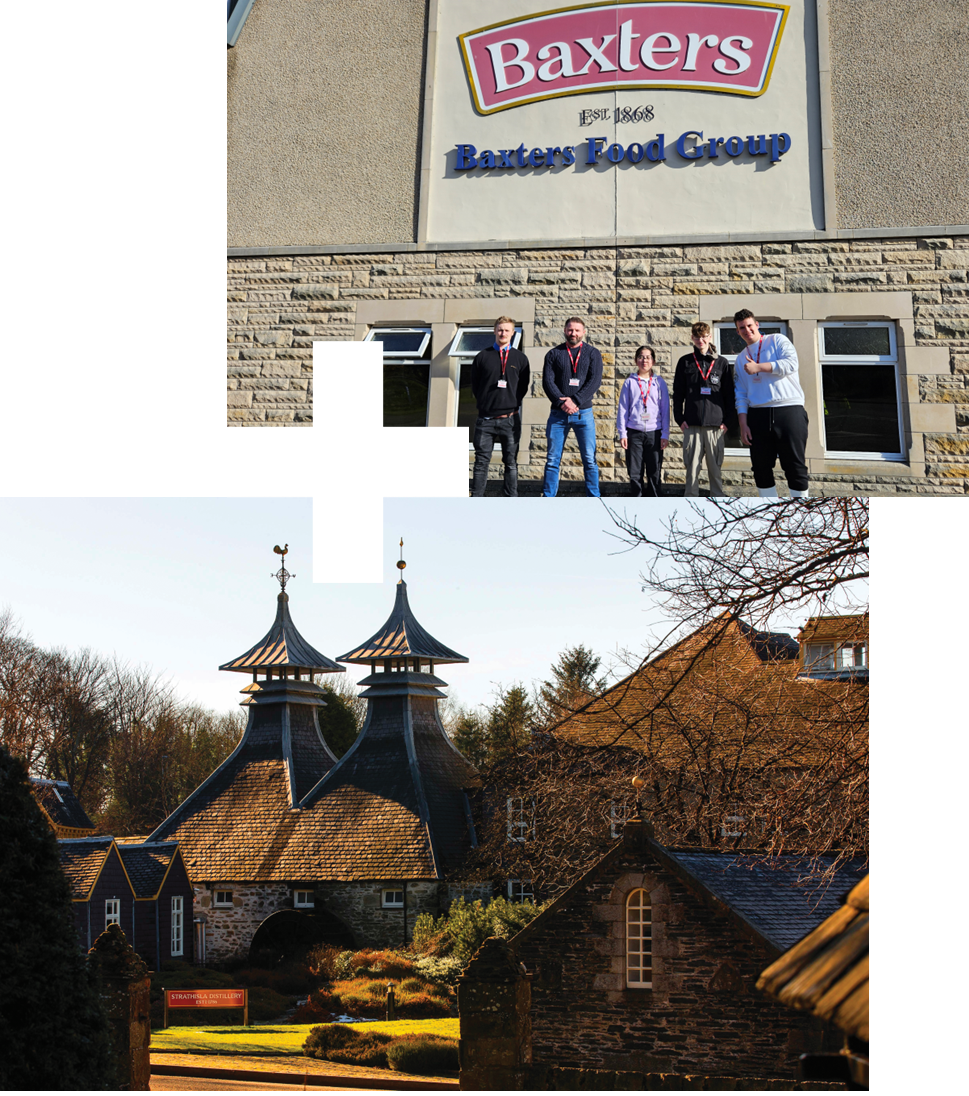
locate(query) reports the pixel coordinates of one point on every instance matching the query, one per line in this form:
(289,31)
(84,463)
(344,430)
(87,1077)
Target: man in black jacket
(499,383)
(703,405)
(571,378)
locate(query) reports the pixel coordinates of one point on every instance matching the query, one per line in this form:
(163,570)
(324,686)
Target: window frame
(178,925)
(618,817)
(520,890)
(463,358)
(520,820)
(744,450)
(847,361)
(112,911)
(224,903)
(386,903)
(645,948)
(304,904)
(406,357)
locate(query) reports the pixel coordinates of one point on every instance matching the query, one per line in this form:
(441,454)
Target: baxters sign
(700,45)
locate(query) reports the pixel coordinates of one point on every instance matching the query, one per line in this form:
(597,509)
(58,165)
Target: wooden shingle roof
(401,637)
(282,647)
(835,629)
(147,865)
(827,971)
(82,859)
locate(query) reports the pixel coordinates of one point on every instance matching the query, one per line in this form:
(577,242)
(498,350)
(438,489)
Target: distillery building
(406,171)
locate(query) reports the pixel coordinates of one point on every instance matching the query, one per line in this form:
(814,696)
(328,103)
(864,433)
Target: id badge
(502,384)
(574,382)
(706,391)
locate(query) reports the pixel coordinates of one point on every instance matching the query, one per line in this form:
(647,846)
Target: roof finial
(400,563)
(282,576)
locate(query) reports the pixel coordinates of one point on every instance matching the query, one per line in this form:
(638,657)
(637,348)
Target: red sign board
(205,998)
(698,45)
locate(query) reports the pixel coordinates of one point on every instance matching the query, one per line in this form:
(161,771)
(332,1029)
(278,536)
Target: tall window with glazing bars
(639,941)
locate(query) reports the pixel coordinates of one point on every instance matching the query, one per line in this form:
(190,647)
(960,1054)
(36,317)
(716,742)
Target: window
(860,388)
(618,816)
(407,367)
(826,656)
(733,825)
(464,346)
(304,899)
(521,819)
(392,899)
(177,925)
(729,344)
(223,898)
(521,890)
(112,911)
(639,941)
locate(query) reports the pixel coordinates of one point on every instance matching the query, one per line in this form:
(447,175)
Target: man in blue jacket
(571,378)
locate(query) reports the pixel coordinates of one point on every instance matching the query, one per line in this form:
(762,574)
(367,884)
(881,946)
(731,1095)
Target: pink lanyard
(645,394)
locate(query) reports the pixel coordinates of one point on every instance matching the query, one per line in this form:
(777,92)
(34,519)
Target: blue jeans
(556,430)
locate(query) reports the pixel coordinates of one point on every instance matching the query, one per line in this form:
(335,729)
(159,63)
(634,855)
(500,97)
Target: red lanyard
(575,360)
(503,354)
(759,343)
(705,376)
(645,394)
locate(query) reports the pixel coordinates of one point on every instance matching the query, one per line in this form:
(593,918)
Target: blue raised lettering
(506,155)
(733,146)
(681,145)
(594,151)
(779,144)
(712,147)
(465,158)
(536,157)
(486,159)
(568,155)
(635,157)
(615,153)
(521,154)
(761,149)
(656,150)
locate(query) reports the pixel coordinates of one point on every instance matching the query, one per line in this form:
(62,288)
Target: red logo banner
(700,45)
(206,998)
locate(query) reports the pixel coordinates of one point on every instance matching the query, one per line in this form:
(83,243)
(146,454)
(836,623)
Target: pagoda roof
(401,637)
(282,647)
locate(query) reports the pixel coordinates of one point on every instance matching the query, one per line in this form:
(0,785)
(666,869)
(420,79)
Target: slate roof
(771,897)
(282,647)
(401,637)
(827,971)
(61,804)
(81,860)
(729,684)
(147,865)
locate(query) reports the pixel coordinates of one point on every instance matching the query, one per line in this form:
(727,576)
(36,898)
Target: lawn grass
(279,1039)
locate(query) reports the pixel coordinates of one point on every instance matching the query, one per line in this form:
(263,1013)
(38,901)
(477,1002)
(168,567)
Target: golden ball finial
(638,783)
(400,563)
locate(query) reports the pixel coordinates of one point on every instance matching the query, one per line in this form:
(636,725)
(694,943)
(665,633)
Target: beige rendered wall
(324,122)
(900,99)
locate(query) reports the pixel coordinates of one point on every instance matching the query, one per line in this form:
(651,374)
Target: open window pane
(401,342)
(405,393)
(860,408)
(469,340)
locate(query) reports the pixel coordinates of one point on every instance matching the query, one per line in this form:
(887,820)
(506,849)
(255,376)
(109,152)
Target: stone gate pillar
(494,998)
(125,994)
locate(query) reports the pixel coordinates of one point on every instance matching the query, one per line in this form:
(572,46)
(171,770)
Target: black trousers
(644,453)
(778,433)
(507,432)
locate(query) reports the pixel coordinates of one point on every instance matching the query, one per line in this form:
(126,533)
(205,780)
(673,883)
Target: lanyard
(759,344)
(705,376)
(645,394)
(503,354)
(575,360)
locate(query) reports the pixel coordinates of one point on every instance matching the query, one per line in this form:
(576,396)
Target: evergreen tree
(338,721)
(510,721)
(470,735)
(573,682)
(53,1030)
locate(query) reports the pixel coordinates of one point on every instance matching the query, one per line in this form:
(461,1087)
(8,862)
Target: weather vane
(282,576)
(400,563)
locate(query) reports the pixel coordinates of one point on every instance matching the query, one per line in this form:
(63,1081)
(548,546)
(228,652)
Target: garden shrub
(441,970)
(322,961)
(388,965)
(468,924)
(338,1043)
(427,1054)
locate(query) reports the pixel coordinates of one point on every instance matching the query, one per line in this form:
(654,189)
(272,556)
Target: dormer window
(829,656)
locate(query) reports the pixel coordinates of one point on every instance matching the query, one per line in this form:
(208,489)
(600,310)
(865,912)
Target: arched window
(639,941)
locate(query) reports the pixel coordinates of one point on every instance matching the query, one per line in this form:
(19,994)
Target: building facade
(401,173)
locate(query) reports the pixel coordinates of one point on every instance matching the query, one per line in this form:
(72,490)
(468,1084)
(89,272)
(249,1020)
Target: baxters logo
(703,45)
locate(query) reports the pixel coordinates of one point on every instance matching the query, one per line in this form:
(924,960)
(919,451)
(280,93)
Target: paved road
(210,1084)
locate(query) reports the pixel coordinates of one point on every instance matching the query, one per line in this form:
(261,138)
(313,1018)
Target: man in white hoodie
(770,405)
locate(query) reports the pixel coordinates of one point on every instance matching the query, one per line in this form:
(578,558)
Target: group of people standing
(760,393)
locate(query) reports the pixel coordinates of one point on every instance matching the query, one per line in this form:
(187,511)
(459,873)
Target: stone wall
(358,905)
(229,929)
(703,1013)
(280,305)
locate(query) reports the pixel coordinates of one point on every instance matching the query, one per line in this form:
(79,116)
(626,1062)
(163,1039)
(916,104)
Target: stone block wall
(229,929)
(359,906)
(280,305)
(703,1014)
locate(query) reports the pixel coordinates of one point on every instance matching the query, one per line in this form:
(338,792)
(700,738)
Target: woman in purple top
(643,424)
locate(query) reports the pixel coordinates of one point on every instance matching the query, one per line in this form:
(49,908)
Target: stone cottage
(649,961)
(289,846)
